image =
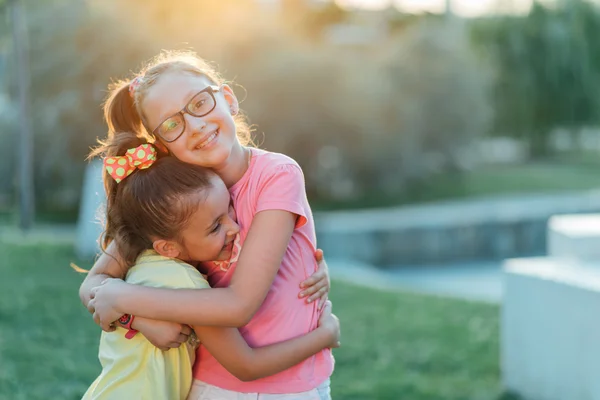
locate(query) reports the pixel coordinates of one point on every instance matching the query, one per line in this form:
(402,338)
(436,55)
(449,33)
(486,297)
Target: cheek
(223,117)
(178,149)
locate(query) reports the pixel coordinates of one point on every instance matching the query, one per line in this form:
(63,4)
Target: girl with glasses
(181,104)
(158,210)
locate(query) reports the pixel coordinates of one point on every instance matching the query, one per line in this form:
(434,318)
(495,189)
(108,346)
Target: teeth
(207,141)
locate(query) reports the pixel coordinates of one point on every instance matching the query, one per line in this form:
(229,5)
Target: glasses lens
(171,128)
(201,104)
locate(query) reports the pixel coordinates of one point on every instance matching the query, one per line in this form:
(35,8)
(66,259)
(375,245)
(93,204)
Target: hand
(102,303)
(318,284)
(162,334)
(331,323)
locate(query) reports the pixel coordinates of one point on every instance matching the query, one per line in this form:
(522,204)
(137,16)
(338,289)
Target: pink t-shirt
(274,182)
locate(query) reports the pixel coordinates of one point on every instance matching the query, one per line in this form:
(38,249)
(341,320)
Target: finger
(91,307)
(105,281)
(186,330)
(313,288)
(318,294)
(182,338)
(313,279)
(93,292)
(112,327)
(319,255)
(106,327)
(323,300)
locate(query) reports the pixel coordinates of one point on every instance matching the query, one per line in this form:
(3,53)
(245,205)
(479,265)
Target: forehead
(171,92)
(214,203)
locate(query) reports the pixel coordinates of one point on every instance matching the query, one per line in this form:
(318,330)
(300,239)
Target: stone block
(89,223)
(550,329)
(574,236)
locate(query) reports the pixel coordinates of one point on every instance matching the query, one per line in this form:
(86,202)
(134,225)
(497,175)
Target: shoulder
(152,269)
(267,163)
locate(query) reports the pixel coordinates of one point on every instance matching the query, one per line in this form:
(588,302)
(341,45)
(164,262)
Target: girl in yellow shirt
(162,213)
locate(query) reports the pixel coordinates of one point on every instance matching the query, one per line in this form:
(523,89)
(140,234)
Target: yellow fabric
(134,368)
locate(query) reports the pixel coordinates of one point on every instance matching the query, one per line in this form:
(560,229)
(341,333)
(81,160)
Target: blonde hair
(123,112)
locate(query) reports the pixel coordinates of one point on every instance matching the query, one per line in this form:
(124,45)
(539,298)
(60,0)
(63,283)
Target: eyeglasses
(200,105)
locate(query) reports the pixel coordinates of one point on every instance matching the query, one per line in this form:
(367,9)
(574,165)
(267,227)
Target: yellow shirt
(134,368)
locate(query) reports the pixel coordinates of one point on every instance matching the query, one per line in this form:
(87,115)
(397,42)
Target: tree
(546,65)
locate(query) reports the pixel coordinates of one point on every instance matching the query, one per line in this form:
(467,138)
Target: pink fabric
(274,182)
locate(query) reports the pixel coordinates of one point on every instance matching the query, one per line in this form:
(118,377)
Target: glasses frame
(212,89)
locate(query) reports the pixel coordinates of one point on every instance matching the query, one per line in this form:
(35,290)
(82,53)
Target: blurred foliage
(361,118)
(547,65)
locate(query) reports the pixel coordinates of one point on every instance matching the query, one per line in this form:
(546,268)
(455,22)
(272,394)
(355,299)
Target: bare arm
(105,267)
(231,351)
(235,305)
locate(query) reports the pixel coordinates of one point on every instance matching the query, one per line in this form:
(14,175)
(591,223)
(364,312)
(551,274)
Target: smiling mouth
(208,140)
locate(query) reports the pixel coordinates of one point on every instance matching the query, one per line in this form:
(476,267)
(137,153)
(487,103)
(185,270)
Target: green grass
(565,174)
(394,345)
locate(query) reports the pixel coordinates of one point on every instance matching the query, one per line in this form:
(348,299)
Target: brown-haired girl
(161,211)
(182,104)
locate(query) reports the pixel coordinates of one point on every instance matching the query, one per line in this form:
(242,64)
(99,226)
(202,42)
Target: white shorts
(203,391)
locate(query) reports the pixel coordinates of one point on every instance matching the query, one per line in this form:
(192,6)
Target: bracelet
(126,320)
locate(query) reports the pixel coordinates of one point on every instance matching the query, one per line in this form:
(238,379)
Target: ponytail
(120,111)
(115,145)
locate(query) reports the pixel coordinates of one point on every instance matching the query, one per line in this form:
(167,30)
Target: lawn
(394,345)
(560,175)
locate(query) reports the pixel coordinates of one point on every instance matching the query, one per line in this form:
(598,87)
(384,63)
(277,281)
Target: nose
(233,228)
(195,124)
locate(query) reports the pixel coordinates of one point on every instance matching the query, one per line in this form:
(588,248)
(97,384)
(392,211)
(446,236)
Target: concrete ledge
(574,236)
(469,230)
(550,329)
(89,227)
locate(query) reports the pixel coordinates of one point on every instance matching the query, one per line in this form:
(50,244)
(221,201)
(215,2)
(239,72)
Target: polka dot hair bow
(121,167)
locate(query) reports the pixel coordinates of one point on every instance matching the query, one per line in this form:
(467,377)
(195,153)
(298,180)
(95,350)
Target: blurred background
(436,136)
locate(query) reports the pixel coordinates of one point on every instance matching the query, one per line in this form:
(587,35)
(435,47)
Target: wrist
(326,333)
(126,321)
(119,297)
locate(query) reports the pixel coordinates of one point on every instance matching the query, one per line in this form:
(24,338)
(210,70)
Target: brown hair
(150,203)
(123,112)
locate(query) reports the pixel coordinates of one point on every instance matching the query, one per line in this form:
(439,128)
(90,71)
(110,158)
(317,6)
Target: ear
(232,101)
(166,248)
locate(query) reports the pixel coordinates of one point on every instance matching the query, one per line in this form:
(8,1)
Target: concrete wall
(550,320)
(469,230)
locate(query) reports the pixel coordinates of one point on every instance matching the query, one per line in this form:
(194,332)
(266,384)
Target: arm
(109,265)
(245,363)
(232,306)
(163,335)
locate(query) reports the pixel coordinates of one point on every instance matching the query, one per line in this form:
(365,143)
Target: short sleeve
(283,188)
(168,274)
(194,280)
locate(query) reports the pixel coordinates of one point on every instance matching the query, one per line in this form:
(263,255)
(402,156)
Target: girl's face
(211,229)
(206,141)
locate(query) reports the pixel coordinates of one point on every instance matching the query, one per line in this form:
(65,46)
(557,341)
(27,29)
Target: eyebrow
(189,96)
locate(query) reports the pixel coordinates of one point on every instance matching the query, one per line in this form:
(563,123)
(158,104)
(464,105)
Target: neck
(235,167)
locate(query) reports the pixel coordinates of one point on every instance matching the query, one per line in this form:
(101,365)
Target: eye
(199,103)
(216,228)
(170,125)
